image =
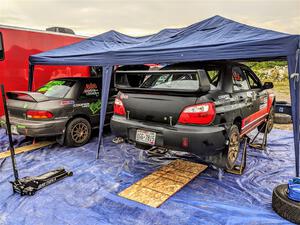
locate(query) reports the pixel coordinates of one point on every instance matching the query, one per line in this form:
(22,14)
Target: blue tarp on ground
(216,38)
(90,196)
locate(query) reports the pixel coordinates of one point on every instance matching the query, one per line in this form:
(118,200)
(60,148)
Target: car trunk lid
(160,108)
(20,101)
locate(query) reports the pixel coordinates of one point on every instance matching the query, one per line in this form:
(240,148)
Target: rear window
(177,81)
(1,47)
(56,88)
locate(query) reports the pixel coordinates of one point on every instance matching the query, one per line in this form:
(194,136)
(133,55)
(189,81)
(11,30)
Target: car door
(261,96)
(89,100)
(242,94)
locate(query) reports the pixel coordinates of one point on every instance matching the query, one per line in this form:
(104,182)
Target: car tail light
(39,114)
(198,114)
(119,108)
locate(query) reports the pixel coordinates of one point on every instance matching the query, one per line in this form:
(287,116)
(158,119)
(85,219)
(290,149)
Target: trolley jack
(29,185)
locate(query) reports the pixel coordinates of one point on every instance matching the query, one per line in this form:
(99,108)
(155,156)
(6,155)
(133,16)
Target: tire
(269,123)
(78,132)
(232,151)
(283,206)
(282,118)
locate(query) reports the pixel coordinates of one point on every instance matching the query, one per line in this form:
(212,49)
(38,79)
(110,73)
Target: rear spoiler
(122,82)
(26,96)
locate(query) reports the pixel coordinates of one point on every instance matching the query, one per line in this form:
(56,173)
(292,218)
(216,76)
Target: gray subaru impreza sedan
(67,108)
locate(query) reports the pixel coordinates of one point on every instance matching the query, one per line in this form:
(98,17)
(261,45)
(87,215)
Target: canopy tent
(216,38)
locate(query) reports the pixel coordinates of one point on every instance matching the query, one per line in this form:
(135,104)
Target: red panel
(19,45)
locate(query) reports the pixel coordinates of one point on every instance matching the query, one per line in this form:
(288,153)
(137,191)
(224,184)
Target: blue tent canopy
(216,38)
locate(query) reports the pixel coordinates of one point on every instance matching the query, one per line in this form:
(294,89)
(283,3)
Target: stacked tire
(283,206)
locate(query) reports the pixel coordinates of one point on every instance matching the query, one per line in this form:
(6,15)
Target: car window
(56,88)
(254,83)
(214,76)
(90,90)
(240,82)
(1,47)
(179,81)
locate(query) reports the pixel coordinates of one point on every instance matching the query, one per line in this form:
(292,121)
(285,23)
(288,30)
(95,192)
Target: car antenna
(28,185)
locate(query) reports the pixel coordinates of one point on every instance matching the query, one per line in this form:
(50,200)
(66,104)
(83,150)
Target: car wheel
(268,124)
(233,147)
(78,132)
(285,207)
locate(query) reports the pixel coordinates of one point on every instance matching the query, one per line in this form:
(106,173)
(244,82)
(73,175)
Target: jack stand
(239,169)
(29,185)
(260,146)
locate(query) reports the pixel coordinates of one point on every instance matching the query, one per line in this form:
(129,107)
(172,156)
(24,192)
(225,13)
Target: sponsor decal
(95,106)
(50,84)
(263,102)
(83,105)
(91,90)
(67,102)
(224,97)
(25,105)
(20,126)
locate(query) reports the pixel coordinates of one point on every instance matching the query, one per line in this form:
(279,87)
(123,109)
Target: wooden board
(154,189)
(27,148)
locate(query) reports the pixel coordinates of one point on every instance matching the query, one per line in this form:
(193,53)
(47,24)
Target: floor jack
(239,168)
(29,185)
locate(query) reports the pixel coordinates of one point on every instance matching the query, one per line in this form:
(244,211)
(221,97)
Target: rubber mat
(154,189)
(27,148)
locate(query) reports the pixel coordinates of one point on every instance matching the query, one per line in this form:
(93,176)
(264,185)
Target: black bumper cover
(202,140)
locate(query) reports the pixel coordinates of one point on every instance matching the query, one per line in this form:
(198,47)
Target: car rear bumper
(199,140)
(36,128)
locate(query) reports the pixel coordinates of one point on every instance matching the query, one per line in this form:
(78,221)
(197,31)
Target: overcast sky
(141,17)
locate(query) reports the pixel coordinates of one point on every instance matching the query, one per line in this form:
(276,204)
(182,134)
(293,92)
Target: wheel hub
(79,132)
(233,149)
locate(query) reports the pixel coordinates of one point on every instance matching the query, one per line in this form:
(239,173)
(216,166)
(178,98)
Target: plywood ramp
(154,189)
(27,148)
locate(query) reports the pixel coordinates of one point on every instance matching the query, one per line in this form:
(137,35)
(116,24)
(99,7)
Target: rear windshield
(1,47)
(177,81)
(56,88)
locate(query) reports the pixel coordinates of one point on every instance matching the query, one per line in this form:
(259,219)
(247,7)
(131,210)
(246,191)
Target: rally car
(67,108)
(202,107)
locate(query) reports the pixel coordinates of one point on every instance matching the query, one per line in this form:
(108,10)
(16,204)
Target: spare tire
(282,118)
(285,207)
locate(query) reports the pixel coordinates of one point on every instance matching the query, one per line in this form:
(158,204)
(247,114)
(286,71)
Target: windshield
(178,81)
(56,88)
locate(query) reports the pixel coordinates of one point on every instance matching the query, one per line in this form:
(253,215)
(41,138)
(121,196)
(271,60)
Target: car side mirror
(268,85)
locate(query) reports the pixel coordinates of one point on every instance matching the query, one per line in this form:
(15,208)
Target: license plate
(144,136)
(14,129)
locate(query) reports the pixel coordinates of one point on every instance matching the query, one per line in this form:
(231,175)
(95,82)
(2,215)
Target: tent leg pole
(8,128)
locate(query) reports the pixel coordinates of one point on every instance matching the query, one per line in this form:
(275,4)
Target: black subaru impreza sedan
(202,107)
(67,108)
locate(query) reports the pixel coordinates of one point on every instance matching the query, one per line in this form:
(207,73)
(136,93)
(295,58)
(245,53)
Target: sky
(143,17)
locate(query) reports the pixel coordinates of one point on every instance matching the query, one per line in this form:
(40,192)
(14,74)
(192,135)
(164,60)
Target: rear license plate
(144,136)
(14,129)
